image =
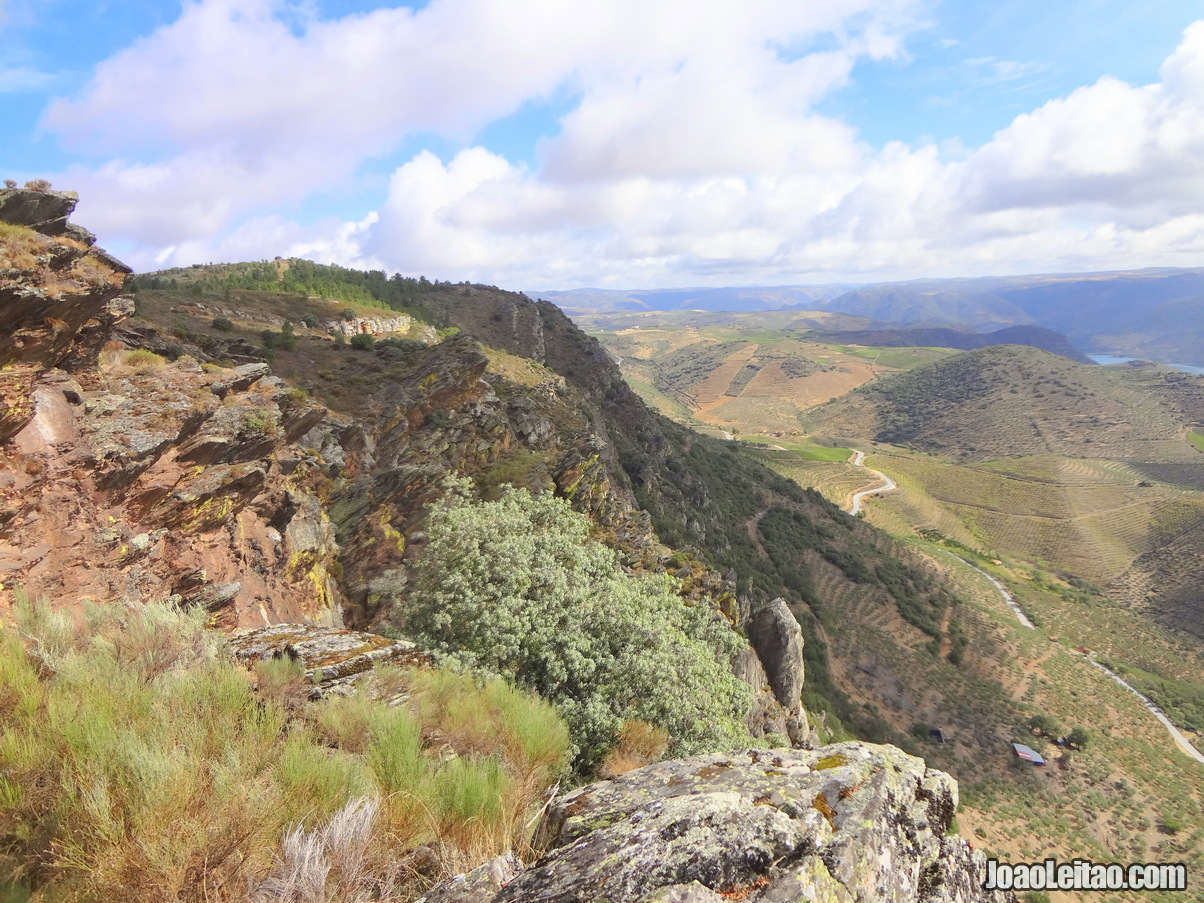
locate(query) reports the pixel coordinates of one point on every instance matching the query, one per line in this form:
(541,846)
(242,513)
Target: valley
(1041,487)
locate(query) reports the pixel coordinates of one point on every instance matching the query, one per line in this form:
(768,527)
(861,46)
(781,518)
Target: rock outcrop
(46,211)
(334,660)
(369,325)
(129,479)
(59,297)
(849,823)
(167,480)
(776,637)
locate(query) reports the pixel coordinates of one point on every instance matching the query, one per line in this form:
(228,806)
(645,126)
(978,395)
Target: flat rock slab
(333,658)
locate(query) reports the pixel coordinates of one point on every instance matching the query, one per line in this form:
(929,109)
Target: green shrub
(517,587)
(363,341)
(223,324)
(260,421)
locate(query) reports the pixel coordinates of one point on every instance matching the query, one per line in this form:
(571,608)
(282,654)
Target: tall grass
(138,763)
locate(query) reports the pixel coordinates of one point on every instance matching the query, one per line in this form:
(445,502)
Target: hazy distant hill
(945,337)
(1157,313)
(1009,400)
(932,303)
(746,298)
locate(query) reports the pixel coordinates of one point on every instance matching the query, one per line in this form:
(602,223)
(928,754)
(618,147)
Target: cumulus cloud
(276,103)
(691,151)
(1134,153)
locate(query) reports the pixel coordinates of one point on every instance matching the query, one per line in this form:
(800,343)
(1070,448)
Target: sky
(557,144)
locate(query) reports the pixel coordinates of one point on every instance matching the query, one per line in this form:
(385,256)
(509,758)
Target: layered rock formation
(333,660)
(59,296)
(130,479)
(369,325)
(849,823)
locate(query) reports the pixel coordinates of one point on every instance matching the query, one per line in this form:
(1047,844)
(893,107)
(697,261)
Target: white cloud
(17,79)
(1131,152)
(692,151)
(271,103)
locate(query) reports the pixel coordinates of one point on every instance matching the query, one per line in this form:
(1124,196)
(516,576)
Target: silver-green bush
(516,586)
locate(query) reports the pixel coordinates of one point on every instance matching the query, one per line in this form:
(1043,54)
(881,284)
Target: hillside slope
(1036,336)
(1011,400)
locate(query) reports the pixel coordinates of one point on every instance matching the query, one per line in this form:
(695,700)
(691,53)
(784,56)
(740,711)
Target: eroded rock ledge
(334,659)
(848,823)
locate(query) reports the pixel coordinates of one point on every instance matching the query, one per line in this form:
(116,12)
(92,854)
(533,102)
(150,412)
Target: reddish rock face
(59,296)
(132,481)
(105,497)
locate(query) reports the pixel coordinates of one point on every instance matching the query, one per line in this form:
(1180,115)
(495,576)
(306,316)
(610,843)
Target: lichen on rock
(745,825)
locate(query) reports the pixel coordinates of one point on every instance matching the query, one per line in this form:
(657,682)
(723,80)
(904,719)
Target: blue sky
(543,144)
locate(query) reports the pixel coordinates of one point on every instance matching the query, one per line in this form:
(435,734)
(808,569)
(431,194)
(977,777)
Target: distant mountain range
(1152,313)
(777,297)
(947,337)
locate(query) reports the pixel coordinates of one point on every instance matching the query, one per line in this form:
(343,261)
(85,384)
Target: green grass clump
(10,231)
(142,360)
(139,763)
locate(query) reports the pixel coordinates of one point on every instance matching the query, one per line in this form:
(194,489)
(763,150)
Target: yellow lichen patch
(394,536)
(832,761)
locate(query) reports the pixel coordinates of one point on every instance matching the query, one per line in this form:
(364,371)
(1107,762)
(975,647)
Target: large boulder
(775,635)
(43,211)
(778,640)
(853,823)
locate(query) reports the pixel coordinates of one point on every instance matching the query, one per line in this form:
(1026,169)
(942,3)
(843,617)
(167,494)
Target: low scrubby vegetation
(516,586)
(138,763)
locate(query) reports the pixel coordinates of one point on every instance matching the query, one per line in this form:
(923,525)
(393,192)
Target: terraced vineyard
(747,379)
(1086,517)
(834,480)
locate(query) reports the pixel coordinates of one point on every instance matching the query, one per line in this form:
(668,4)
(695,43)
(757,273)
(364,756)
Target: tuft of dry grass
(640,744)
(142,361)
(20,247)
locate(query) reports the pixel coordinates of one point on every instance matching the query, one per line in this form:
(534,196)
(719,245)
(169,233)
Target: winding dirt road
(1182,741)
(886,484)
(1000,588)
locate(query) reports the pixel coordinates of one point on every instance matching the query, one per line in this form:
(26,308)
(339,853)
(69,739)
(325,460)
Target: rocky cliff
(127,478)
